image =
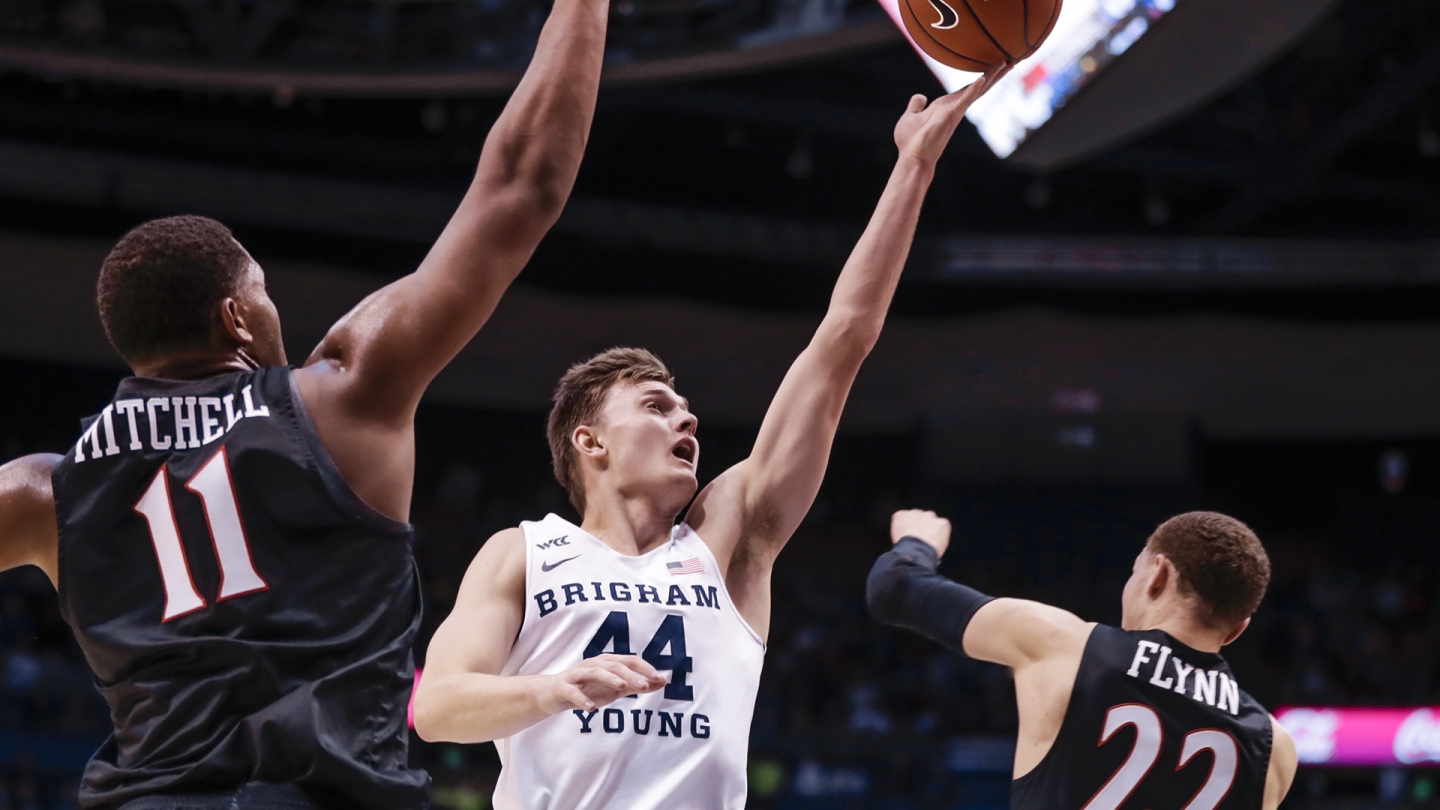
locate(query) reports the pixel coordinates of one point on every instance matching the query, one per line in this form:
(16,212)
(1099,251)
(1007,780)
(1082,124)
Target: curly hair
(159,285)
(1220,562)
(579,397)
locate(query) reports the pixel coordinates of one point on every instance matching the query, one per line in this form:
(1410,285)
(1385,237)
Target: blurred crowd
(850,713)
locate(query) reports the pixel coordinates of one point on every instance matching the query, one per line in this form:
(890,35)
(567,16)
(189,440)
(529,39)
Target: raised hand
(923,131)
(600,681)
(923,525)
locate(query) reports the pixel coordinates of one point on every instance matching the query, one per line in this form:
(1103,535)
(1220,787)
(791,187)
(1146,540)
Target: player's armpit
(1283,762)
(1019,632)
(28,533)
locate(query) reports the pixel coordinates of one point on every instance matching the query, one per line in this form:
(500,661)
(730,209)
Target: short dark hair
(161,281)
(579,397)
(1220,562)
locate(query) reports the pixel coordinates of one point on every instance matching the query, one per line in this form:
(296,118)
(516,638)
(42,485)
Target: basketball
(978,34)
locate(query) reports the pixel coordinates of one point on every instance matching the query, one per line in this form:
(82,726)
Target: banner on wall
(1364,737)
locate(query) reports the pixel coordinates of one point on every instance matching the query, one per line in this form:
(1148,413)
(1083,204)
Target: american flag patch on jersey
(690,566)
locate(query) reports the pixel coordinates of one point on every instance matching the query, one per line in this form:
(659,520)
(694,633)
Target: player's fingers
(600,674)
(628,679)
(618,665)
(641,666)
(917,103)
(577,697)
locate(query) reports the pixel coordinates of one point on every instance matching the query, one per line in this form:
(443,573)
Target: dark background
(1335,140)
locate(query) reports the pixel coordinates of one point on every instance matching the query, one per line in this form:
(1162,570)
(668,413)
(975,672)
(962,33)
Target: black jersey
(247,617)
(1152,724)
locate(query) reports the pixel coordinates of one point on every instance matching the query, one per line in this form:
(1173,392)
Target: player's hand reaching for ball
(921,524)
(924,130)
(599,681)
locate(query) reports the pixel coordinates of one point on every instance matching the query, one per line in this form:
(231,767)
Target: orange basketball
(976,34)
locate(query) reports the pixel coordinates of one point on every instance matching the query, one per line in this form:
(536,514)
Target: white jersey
(681,748)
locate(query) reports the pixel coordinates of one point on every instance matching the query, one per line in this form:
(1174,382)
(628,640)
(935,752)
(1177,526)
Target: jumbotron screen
(1089,35)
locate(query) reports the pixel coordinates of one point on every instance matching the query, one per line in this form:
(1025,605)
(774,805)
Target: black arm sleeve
(904,590)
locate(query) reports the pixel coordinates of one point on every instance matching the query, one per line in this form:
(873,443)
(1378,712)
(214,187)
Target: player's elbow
(528,182)
(884,592)
(428,715)
(852,333)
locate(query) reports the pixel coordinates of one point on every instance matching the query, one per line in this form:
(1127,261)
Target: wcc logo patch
(562,540)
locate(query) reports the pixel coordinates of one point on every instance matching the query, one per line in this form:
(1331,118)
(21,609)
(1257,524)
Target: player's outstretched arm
(28,535)
(463,698)
(905,590)
(1283,761)
(385,351)
(762,500)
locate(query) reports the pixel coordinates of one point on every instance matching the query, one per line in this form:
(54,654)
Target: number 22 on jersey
(222,512)
(1148,736)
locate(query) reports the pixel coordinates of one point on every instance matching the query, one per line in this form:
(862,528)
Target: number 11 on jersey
(227,533)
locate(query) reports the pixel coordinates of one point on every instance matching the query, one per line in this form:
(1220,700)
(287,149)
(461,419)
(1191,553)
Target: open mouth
(685,451)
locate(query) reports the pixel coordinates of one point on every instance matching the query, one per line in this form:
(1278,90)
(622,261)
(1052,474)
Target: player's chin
(687,482)
(681,484)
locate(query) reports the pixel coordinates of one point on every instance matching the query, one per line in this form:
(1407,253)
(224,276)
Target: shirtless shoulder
(28,533)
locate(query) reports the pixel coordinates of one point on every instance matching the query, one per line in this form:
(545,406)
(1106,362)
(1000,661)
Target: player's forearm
(867,283)
(471,707)
(905,590)
(536,145)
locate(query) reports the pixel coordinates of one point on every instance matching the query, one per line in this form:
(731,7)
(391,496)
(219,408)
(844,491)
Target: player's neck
(1189,632)
(192,365)
(629,525)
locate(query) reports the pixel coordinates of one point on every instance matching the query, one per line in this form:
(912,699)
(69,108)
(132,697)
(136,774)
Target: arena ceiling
(735,181)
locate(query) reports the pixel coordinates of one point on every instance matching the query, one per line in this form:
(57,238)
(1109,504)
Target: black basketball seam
(986,31)
(942,46)
(1025,22)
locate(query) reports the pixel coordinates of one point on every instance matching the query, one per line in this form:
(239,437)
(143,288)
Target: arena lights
(1364,737)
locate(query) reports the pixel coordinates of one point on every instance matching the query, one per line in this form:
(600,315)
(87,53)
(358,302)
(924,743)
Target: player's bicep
(787,464)
(385,351)
(1017,632)
(489,609)
(393,343)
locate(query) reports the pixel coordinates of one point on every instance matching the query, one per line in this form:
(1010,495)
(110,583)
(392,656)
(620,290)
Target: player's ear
(1234,634)
(1161,572)
(232,320)
(587,442)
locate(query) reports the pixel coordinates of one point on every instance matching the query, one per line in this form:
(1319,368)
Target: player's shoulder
(1284,760)
(27,479)
(498,568)
(505,545)
(1283,754)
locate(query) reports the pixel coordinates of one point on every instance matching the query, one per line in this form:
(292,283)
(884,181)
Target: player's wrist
(546,695)
(914,161)
(919,547)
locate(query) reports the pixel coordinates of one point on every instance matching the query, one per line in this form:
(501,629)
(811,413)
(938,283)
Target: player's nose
(688,422)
